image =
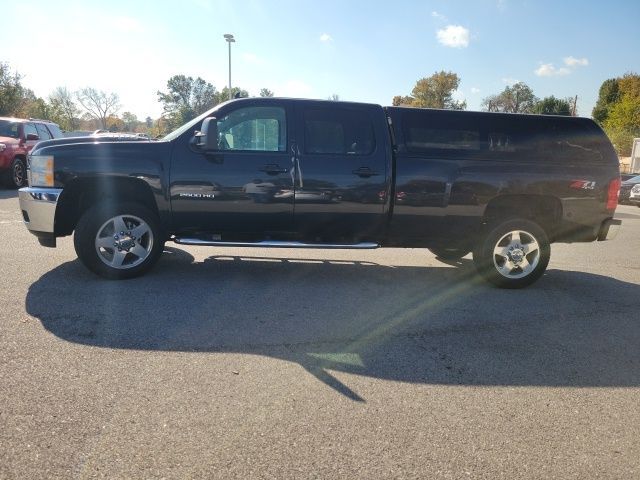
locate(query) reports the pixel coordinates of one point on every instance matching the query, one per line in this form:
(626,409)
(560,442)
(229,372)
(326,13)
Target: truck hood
(9,140)
(91,139)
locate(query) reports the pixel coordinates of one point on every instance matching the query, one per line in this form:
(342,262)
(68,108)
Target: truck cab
(311,171)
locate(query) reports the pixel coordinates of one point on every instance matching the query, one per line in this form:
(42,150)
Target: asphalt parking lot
(252,363)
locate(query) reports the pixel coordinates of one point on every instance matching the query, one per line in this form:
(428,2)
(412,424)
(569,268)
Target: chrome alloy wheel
(19,174)
(124,241)
(516,254)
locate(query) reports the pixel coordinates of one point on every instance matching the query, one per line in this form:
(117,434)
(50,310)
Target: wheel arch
(544,210)
(81,194)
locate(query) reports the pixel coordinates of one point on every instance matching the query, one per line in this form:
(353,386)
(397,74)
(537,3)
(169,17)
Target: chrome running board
(275,244)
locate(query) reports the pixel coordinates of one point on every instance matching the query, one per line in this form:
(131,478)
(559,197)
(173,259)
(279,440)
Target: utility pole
(229,38)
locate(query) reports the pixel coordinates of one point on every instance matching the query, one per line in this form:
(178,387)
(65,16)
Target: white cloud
(475,90)
(510,81)
(548,70)
(454,36)
(576,62)
(325,38)
(439,16)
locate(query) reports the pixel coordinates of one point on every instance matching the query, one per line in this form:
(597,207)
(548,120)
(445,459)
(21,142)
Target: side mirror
(207,139)
(32,136)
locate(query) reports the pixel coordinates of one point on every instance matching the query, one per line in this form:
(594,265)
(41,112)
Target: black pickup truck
(274,172)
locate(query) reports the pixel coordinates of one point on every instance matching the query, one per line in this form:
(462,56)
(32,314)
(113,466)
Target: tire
(513,254)
(449,253)
(118,241)
(17,173)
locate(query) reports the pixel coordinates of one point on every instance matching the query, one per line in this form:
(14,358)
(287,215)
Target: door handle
(365,172)
(273,169)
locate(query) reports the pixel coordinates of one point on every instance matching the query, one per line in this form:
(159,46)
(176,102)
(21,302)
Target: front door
(244,188)
(30,129)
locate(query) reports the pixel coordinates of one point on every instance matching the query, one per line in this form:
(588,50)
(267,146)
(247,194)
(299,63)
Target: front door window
(260,129)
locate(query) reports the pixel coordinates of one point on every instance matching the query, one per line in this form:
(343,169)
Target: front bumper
(38,207)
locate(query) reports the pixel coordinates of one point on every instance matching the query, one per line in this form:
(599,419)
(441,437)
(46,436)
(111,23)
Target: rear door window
(337,131)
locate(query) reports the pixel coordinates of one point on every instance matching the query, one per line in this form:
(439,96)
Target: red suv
(17,138)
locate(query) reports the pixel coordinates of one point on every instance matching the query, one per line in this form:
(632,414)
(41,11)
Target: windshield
(8,129)
(635,179)
(180,130)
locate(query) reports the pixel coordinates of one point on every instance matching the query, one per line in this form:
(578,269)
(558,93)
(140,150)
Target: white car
(634,195)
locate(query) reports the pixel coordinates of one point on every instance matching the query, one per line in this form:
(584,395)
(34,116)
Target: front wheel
(17,177)
(513,254)
(118,241)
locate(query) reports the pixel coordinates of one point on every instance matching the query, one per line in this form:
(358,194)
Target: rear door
(343,173)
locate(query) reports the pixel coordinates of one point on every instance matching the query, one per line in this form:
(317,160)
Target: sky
(366,51)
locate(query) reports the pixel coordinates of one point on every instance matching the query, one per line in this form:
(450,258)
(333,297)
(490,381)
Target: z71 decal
(583,185)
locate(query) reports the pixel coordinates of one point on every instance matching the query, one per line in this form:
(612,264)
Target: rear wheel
(118,241)
(513,254)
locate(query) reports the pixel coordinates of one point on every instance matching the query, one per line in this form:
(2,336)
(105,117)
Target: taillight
(612,194)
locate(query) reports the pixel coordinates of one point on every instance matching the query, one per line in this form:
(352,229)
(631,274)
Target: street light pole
(229,38)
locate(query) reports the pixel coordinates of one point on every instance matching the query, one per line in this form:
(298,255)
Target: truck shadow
(434,325)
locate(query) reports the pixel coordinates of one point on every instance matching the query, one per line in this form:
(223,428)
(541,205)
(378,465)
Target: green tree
(236,92)
(130,121)
(186,98)
(553,106)
(36,107)
(265,92)
(517,98)
(623,123)
(618,110)
(159,128)
(608,95)
(402,101)
(98,105)
(64,110)
(435,91)
(11,91)
(629,85)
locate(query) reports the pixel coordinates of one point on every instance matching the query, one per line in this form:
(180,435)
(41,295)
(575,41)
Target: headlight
(41,171)
(2,147)
(636,188)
